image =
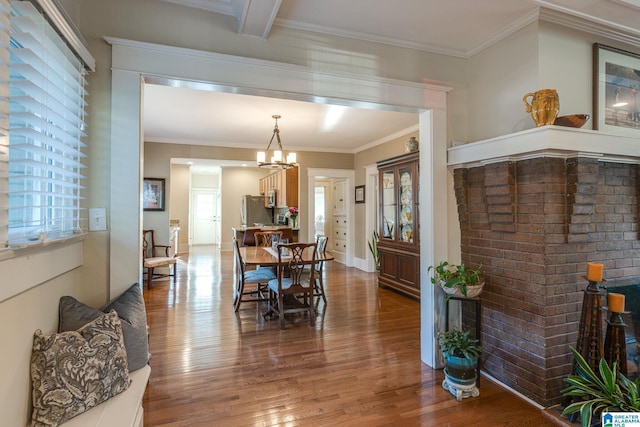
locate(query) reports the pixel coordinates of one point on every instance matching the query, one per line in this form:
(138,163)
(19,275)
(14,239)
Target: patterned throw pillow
(133,317)
(77,370)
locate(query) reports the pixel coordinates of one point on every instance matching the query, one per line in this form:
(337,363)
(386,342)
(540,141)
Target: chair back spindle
(266,238)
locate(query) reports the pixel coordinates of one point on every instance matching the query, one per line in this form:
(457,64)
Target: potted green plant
(461,353)
(604,391)
(457,280)
(373,247)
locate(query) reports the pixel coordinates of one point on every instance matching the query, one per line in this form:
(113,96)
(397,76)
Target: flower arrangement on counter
(292,213)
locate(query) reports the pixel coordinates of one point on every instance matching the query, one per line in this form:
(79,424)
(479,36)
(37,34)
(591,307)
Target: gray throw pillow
(133,316)
(74,371)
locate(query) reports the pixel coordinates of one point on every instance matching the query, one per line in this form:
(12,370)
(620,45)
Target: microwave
(270,199)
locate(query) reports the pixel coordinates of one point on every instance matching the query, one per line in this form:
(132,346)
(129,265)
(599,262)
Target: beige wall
(362,160)
(499,76)
(179,178)
(205,180)
(236,182)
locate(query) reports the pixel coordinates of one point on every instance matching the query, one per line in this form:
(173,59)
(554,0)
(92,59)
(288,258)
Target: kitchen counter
(287,232)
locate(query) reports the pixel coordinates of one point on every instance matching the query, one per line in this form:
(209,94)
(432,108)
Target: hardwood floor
(359,365)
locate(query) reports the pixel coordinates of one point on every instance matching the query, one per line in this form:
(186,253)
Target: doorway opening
(320,214)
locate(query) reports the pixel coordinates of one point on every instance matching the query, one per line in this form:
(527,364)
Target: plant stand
(478,332)
(459,391)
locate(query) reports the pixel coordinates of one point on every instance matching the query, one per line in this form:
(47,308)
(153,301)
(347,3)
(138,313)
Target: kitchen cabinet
(398,226)
(340,197)
(262,186)
(285,183)
(339,223)
(340,233)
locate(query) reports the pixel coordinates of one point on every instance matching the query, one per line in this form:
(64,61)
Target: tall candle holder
(615,346)
(589,343)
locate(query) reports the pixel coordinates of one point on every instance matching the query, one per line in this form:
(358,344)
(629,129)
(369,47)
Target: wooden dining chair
(249,238)
(265,238)
(287,233)
(321,242)
(156,256)
(257,279)
(292,290)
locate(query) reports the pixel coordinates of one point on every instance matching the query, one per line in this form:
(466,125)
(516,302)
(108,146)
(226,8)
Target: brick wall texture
(534,224)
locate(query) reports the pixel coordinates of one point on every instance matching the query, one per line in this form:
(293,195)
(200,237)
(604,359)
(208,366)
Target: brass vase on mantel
(411,145)
(544,106)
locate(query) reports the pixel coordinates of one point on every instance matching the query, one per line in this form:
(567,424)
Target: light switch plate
(97,219)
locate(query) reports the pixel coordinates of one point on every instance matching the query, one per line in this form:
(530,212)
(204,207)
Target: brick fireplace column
(534,224)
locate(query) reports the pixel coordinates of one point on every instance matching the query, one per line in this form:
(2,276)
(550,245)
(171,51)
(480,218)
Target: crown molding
(588,23)
(634,4)
(217,6)
(357,35)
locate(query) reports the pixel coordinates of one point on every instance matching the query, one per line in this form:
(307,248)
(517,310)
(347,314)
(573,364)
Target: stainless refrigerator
(253,211)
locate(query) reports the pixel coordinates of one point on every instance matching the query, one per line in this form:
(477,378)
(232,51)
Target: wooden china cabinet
(398,245)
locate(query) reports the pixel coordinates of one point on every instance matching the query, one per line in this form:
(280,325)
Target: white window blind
(4,121)
(46,122)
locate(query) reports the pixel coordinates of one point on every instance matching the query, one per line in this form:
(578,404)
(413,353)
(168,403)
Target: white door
(340,197)
(204,208)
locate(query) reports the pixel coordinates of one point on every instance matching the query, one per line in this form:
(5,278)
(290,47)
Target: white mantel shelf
(546,141)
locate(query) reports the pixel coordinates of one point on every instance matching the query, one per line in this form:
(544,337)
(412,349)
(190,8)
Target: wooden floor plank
(359,365)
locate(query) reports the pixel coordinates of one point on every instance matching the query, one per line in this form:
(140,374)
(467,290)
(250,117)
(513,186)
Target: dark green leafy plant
(459,344)
(448,275)
(598,392)
(373,247)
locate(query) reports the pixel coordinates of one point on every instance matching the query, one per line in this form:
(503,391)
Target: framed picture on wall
(616,90)
(359,193)
(153,194)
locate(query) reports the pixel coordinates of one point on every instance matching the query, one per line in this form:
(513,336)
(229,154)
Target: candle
(615,302)
(594,272)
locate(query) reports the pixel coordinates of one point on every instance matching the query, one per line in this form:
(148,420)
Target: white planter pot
(472,291)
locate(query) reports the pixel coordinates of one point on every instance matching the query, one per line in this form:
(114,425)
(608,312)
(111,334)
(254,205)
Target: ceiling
(458,28)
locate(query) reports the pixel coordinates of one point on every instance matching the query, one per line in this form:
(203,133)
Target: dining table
(268,257)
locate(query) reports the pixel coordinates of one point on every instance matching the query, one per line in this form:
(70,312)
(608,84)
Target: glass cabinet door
(388,204)
(405,213)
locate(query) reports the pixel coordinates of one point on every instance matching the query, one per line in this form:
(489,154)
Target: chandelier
(277,159)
